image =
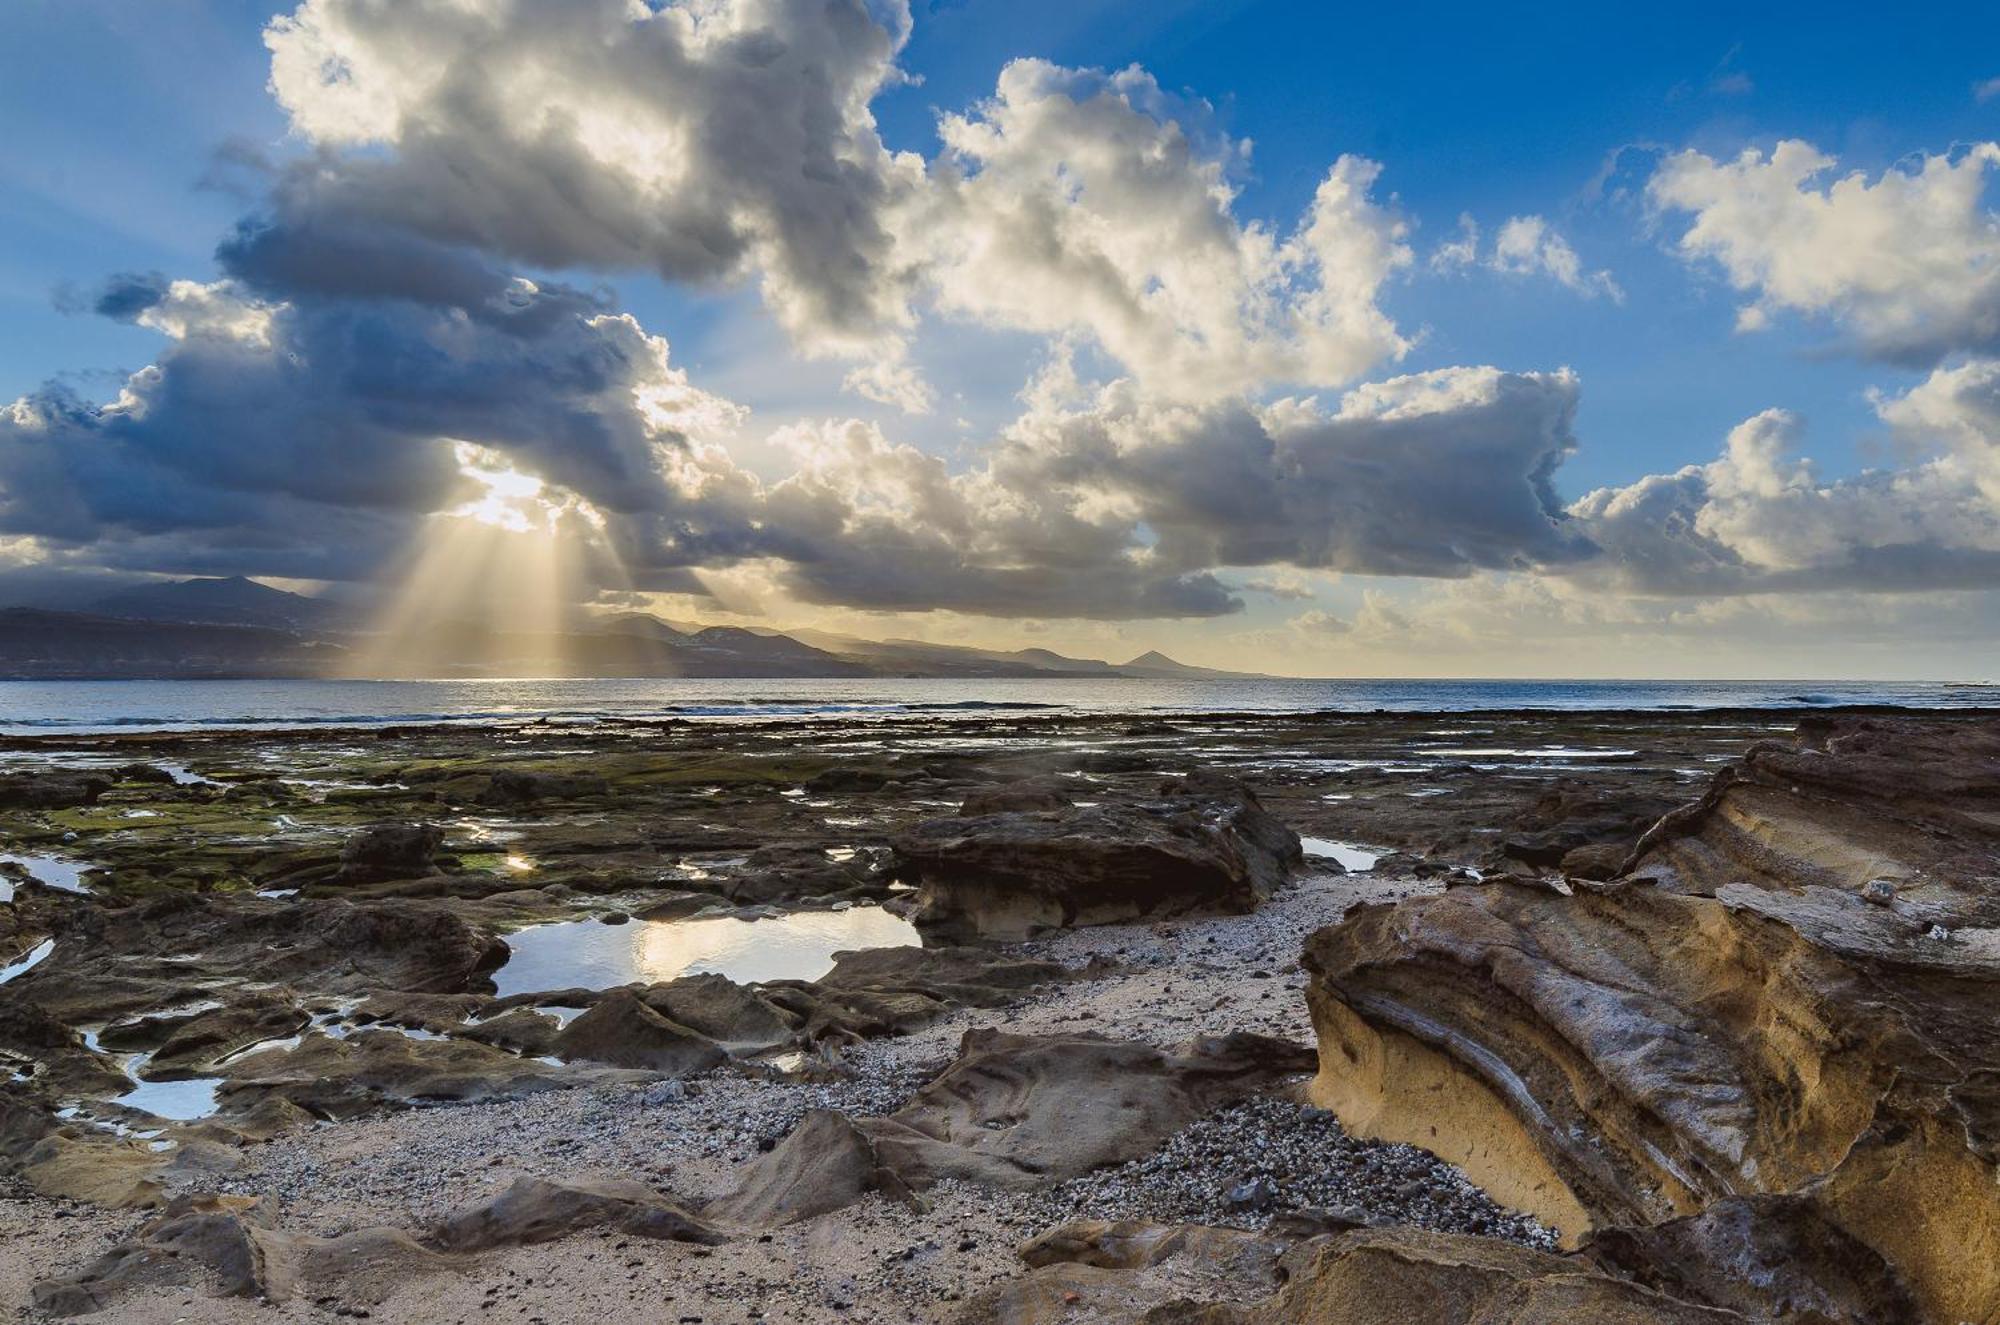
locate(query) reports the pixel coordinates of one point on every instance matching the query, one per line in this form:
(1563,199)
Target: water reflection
(1354,859)
(591,955)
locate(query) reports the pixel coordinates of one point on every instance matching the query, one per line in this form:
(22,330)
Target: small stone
(1938,934)
(1880,892)
(614,918)
(1253,1194)
(664,1092)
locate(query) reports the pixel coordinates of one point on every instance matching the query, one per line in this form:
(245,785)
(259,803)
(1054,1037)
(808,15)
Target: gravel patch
(681,1136)
(1242,1166)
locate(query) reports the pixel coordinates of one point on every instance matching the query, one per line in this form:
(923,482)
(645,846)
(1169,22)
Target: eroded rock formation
(1788,991)
(1203,844)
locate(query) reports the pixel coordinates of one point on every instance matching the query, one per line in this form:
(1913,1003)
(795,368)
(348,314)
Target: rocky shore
(1007,1017)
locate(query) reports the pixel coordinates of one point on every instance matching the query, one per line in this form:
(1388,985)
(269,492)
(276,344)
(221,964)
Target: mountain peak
(1154,658)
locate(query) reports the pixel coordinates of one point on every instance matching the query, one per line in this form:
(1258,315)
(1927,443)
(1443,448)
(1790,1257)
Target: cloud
(1908,264)
(1460,252)
(1286,587)
(734,140)
(297,436)
(1985,90)
(1117,504)
(1525,246)
(314,405)
(1318,622)
(1083,203)
(1435,474)
(707,142)
(1956,409)
(1760,520)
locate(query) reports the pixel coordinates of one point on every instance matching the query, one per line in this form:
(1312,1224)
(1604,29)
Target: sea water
(85,706)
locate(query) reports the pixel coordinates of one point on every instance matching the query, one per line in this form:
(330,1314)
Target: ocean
(88,706)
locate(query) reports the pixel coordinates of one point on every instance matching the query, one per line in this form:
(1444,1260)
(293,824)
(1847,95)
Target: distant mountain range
(235,601)
(238,627)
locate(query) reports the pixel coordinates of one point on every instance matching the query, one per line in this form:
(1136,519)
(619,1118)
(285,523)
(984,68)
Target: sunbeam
(492,586)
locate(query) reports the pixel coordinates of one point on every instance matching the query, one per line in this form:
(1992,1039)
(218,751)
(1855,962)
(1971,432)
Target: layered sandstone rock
(1789,990)
(1203,844)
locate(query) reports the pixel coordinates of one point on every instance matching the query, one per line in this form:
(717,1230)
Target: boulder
(52,789)
(893,991)
(390,851)
(540,1210)
(185,947)
(374,1069)
(1730,1018)
(1200,846)
(739,1019)
(621,1030)
(793,873)
(829,1161)
(207,1036)
(234,1239)
(234,1247)
(1575,816)
(514,786)
(1755,1253)
(1409,1276)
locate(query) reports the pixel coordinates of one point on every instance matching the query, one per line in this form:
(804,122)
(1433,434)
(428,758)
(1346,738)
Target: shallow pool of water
(50,871)
(180,1101)
(26,960)
(591,955)
(1352,858)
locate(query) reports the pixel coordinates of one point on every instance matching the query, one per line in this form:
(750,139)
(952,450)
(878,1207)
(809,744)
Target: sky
(1309,339)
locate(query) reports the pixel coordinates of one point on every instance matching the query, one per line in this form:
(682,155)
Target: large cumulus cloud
(703,141)
(1119,505)
(734,139)
(1906,264)
(296,436)
(1080,202)
(309,435)
(313,405)
(1759,519)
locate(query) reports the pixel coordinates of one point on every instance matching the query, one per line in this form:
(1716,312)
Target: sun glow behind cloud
(490,586)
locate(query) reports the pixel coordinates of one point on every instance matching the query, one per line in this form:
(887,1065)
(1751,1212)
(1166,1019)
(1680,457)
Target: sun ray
(491,586)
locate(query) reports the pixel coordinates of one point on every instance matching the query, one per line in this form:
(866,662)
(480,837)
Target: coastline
(238,929)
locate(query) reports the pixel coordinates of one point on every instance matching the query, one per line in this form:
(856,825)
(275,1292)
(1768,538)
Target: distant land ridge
(237,627)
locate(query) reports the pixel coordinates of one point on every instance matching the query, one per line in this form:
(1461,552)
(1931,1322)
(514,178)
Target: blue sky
(121,119)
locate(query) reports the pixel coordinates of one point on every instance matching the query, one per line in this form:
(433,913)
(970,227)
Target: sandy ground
(874,1262)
